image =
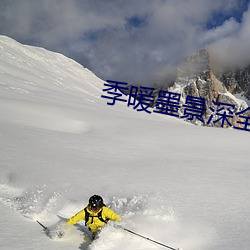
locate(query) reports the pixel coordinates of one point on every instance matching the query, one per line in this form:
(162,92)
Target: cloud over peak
(134,41)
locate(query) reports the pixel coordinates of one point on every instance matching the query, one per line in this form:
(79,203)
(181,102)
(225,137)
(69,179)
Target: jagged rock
(237,81)
(196,78)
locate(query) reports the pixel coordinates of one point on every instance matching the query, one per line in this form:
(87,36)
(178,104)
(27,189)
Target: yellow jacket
(94,223)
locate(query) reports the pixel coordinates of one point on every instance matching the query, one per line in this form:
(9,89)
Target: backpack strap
(100,217)
(88,216)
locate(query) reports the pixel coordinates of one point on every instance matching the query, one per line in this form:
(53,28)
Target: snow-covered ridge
(22,67)
(33,74)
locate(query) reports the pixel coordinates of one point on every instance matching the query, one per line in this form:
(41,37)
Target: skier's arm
(110,214)
(77,217)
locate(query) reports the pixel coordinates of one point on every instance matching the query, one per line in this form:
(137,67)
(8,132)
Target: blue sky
(218,17)
(137,41)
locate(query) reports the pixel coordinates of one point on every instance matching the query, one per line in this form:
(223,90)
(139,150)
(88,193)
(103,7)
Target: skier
(95,214)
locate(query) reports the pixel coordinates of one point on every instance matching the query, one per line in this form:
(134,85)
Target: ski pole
(146,238)
(45,228)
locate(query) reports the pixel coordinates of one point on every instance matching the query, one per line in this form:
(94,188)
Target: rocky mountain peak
(196,78)
(194,65)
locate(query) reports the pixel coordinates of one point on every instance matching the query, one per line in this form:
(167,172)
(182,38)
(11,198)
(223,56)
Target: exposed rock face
(237,81)
(196,78)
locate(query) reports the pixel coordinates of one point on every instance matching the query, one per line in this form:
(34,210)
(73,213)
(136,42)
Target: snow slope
(183,185)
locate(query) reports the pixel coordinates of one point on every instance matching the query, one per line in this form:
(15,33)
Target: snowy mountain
(183,185)
(197,77)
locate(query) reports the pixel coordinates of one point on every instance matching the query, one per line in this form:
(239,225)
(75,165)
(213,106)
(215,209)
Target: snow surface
(182,185)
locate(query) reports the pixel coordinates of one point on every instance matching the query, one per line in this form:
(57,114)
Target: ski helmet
(95,202)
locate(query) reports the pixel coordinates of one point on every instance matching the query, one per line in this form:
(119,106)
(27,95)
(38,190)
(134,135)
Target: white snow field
(185,186)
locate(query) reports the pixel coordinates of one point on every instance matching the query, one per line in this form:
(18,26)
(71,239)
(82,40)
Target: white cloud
(97,33)
(228,28)
(233,50)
